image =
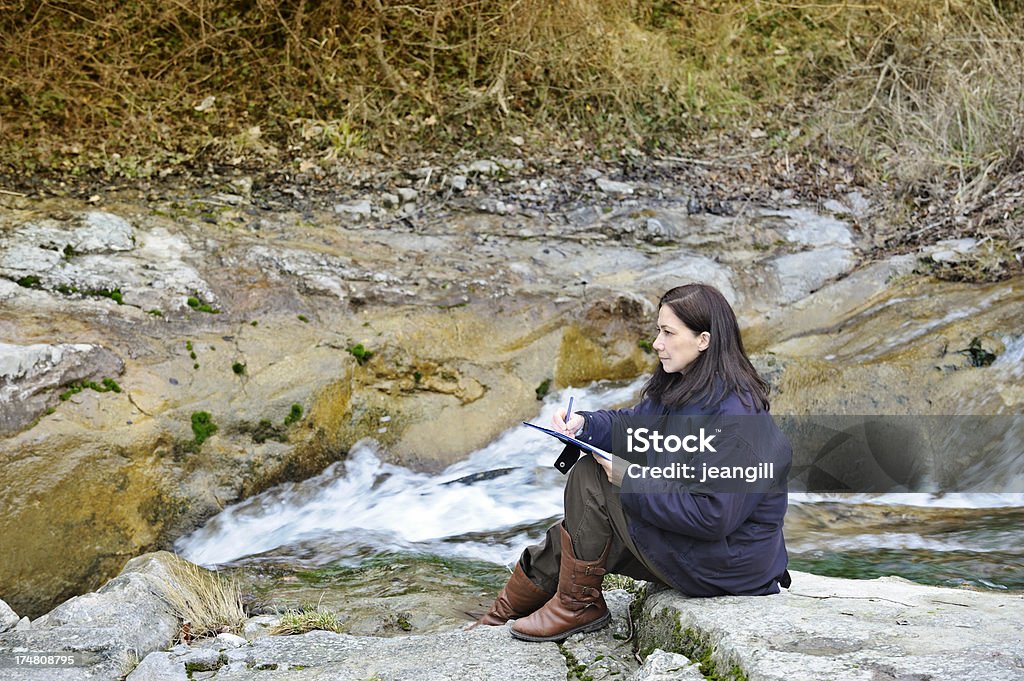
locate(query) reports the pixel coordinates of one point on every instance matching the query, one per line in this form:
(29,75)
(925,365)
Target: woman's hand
(614,469)
(570,427)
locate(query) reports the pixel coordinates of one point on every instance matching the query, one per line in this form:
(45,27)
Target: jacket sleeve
(598,425)
(707,517)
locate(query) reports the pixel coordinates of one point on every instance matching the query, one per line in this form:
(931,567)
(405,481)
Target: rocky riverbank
(821,628)
(166,357)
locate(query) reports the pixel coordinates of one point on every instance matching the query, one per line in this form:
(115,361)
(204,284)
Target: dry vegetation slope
(925,97)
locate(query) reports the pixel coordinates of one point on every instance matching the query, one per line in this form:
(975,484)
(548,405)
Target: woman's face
(677,346)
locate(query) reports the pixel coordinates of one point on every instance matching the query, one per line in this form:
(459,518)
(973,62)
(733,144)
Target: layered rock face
(161,361)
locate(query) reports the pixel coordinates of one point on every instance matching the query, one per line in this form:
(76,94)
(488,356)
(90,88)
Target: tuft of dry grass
(305,620)
(206,602)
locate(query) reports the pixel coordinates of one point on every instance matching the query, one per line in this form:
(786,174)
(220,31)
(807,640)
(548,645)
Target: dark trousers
(593,518)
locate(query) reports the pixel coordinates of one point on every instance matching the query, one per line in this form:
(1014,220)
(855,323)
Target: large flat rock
(885,629)
(481,653)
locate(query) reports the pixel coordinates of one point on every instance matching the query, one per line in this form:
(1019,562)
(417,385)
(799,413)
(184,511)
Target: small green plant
(155,312)
(646,346)
(105,386)
(361,354)
(294,415)
(199,306)
(543,389)
(113,294)
(202,427)
(254,323)
(69,252)
(979,356)
(304,319)
(31,281)
(417,376)
(238,368)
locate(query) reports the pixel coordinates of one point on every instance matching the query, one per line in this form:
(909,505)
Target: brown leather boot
(519,598)
(577,607)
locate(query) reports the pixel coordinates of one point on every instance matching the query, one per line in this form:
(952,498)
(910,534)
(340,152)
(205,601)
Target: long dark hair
(722,368)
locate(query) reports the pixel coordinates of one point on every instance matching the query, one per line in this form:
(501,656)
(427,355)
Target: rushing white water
(487,507)
(363,501)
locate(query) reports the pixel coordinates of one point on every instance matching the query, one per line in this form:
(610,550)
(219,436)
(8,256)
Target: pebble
(614,188)
(358,208)
(483,167)
(407,194)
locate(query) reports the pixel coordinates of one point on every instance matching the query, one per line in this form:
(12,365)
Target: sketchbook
(572,441)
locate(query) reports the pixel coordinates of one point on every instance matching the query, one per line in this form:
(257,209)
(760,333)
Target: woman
(702,542)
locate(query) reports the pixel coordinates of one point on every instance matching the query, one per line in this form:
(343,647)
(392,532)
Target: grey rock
(654,230)
(421,173)
(809,228)
(684,268)
(510,164)
(614,188)
(243,185)
(458,182)
(128,616)
(607,653)
(517,140)
(800,274)
(483,167)
(496,206)
(231,640)
(855,630)
(29,375)
(159,667)
(591,173)
(481,653)
(103,232)
(837,207)
(854,204)
(858,203)
(664,666)
(202,659)
(24,624)
(407,194)
(149,268)
(361,208)
(261,625)
(951,250)
(389,200)
(8,618)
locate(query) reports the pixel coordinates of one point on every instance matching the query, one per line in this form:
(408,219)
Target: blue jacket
(706,543)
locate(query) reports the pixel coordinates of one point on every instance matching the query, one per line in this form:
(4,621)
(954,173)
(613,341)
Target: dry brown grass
(938,105)
(927,95)
(206,602)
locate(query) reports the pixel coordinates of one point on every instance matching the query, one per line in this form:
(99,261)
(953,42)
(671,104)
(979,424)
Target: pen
(568,412)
